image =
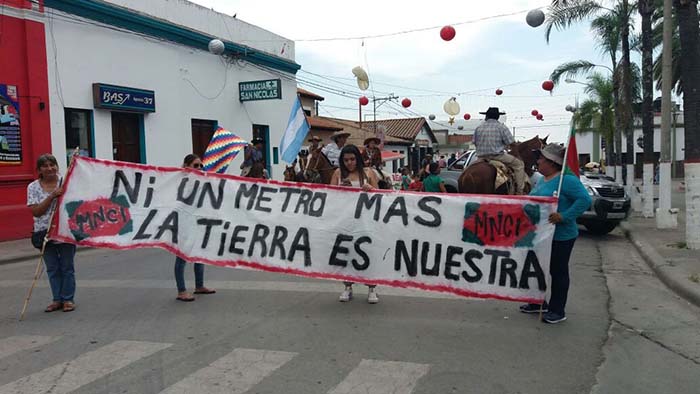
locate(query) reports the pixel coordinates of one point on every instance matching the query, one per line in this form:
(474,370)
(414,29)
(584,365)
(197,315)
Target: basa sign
(468,245)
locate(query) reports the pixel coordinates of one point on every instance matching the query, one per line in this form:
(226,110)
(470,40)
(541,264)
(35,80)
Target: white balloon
(535,18)
(216,46)
(451,107)
(362,77)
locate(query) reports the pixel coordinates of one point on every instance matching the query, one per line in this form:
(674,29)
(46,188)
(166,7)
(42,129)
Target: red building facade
(25,126)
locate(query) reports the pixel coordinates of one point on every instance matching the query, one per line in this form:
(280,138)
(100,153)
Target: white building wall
(188,83)
(197,17)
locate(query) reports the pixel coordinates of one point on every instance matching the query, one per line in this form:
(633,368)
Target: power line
(352,38)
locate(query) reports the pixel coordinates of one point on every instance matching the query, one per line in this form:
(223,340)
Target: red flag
(572,166)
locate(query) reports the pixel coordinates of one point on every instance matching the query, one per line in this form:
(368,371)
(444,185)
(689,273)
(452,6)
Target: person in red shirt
(416,185)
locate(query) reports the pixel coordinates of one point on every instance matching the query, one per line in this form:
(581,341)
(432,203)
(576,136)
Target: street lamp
(569,80)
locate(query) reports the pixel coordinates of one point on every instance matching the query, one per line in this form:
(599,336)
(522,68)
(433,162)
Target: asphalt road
(270,333)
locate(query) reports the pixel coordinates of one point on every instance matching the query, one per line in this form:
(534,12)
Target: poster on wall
(10,135)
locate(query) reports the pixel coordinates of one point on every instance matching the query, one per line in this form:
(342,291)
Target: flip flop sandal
(68,307)
(54,306)
(205,291)
(184,299)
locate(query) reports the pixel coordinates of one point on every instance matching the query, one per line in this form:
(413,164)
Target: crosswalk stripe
(86,368)
(381,377)
(18,343)
(236,372)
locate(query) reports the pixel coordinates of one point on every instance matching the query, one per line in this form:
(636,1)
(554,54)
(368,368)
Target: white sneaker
(372,297)
(346,295)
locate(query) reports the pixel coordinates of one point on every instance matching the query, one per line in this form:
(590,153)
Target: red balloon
(499,92)
(447,33)
(540,117)
(534,112)
(406,103)
(467,116)
(548,85)
(364,100)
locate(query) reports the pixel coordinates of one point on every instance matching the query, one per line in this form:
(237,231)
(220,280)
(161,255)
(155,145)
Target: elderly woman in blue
(573,201)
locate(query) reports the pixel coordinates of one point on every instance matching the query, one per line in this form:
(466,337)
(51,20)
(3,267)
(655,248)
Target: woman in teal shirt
(433,183)
(573,201)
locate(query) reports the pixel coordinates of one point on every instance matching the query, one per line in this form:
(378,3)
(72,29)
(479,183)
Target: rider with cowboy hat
(372,156)
(492,138)
(253,154)
(332,150)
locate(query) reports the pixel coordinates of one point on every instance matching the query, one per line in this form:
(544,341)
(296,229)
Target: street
(270,333)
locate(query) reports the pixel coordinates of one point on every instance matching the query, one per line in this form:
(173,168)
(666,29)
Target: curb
(31,256)
(655,261)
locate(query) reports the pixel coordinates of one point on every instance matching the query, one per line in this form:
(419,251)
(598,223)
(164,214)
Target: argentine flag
(294,135)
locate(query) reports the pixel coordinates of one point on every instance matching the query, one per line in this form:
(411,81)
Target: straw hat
(370,139)
(339,134)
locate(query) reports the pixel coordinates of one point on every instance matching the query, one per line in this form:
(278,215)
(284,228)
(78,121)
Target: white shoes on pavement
(346,295)
(372,297)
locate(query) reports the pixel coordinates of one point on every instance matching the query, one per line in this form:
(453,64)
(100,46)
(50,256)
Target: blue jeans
(559,269)
(59,260)
(180,275)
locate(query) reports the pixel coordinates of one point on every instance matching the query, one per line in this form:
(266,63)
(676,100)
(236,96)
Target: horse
(257,170)
(480,177)
(318,169)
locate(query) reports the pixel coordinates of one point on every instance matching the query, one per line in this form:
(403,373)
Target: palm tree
(646,10)
(689,33)
(563,13)
(597,112)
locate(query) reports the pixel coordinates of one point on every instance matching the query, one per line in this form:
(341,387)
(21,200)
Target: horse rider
(332,150)
(372,156)
(253,153)
(312,150)
(492,138)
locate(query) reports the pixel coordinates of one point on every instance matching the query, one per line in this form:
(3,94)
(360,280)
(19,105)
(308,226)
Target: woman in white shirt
(352,173)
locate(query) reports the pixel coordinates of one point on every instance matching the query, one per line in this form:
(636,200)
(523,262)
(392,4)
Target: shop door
(126,133)
(202,131)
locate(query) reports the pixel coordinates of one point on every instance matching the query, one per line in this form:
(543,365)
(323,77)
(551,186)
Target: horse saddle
(504,175)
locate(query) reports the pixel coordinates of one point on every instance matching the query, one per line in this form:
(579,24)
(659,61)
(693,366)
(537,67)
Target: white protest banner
(469,245)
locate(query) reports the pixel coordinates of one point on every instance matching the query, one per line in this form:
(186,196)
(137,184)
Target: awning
(388,155)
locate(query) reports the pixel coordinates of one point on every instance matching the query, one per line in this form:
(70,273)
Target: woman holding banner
(58,257)
(573,201)
(190,161)
(352,173)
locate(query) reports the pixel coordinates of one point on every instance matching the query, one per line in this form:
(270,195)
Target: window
(202,131)
(79,132)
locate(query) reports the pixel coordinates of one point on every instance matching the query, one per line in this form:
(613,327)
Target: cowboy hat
(492,111)
(257,140)
(552,152)
(315,138)
(339,134)
(370,139)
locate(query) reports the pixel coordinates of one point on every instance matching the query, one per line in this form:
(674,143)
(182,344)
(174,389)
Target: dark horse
(257,170)
(480,177)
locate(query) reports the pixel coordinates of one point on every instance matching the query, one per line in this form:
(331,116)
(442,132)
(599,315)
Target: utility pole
(381,101)
(665,216)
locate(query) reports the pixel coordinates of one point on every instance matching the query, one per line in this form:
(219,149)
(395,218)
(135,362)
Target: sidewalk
(665,252)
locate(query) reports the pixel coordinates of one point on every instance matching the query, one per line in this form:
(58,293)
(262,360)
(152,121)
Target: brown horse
(318,169)
(480,177)
(256,171)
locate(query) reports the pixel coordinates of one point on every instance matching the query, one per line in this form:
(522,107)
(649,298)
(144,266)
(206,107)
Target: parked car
(451,174)
(610,204)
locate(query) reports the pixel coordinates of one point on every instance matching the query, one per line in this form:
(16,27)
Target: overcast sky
(501,52)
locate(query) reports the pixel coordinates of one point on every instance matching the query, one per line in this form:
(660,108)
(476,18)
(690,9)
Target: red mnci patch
(500,224)
(98,218)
